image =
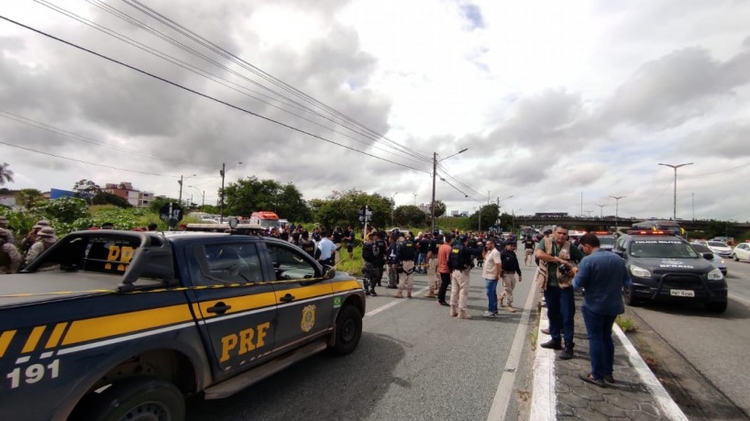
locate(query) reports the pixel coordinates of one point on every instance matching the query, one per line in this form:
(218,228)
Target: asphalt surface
(715,345)
(414,362)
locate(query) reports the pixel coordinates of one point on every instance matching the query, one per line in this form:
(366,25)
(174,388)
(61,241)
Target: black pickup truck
(119,325)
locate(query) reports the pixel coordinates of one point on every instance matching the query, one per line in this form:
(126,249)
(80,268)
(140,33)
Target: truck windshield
(662,249)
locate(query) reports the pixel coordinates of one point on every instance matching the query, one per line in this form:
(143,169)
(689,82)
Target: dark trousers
(601,346)
(560,311)
(445,280)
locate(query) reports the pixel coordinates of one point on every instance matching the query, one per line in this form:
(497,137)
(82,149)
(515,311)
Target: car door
(304,299)
(237,312)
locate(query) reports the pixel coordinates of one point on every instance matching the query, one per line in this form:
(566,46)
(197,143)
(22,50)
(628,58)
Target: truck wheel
(630,297)
(137,399)
(715,307)
(348,330)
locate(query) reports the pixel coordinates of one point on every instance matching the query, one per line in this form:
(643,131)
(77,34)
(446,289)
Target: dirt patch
(698,398)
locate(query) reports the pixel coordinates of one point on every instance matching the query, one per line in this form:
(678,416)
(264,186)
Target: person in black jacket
(510,267)
(405,253)
(461,261)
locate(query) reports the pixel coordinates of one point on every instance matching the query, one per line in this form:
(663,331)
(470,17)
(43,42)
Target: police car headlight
(640,272)
(715,275)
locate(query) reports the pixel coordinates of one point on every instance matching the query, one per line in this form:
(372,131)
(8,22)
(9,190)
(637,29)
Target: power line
(259,72)
(85,162)
(177,85)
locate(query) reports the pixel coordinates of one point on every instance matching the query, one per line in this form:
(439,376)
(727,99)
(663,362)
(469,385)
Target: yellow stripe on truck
(56,335)
(118,324)
(33,339)
(346,285)
(5,339)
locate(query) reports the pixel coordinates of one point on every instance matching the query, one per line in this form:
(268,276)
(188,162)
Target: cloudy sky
(560,104)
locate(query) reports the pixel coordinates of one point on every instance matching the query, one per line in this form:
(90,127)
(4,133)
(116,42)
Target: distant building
(57,193)
(8,199)
(125,190)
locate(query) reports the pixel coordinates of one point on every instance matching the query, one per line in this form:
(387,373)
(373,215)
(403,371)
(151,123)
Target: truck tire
(137,399)
(716,307)
(348,330)
(629,297)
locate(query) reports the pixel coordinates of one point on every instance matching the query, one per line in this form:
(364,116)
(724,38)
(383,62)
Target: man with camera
(555,277)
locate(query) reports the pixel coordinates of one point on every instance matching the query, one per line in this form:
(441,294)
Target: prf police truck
(117,325)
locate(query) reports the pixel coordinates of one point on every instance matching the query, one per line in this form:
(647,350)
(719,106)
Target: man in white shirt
(326,248)
(491,274)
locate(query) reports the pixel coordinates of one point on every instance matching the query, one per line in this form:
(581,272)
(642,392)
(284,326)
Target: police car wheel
(137,399)
(348,330)
(715,307)
(629,297)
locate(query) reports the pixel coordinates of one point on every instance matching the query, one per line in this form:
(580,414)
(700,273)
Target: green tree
(409,216)
(342,209)
(439,208)
(105,198)
(86,189)
(6,175)
(28,198)
(489,215)
(250,194)
(64,209)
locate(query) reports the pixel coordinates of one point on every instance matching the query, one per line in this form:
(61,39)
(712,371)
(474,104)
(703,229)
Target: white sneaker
(489,314)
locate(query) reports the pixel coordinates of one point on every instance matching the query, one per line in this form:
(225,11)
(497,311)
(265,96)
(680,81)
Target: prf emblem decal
(308,318)
(336,302)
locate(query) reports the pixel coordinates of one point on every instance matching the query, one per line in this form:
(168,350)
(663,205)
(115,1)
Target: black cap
(510,243)
(463,238)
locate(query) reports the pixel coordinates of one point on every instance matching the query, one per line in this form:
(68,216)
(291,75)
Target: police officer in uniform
(405,253)
(370,270)
(461,261)
(308,245)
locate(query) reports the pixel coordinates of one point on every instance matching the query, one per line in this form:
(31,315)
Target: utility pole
(434,170)
(601,210)
(221,205)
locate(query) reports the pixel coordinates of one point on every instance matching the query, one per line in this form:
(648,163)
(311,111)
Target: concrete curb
(544,395)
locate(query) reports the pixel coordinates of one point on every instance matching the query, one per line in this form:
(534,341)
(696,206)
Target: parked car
(711,257)
(741,252)
(717,247)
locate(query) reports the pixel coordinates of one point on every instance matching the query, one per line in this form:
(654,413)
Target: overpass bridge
(604,223)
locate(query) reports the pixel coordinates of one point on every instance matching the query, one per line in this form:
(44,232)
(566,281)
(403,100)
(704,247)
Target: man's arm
(581,275)
(498,265)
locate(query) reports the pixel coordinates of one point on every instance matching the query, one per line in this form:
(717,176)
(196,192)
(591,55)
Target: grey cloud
(669,91)
(724,140)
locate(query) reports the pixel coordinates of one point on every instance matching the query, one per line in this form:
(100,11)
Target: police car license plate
(682,293)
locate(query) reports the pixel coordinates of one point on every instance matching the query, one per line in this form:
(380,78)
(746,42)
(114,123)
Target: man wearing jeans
(491,273)
(603,275)
(558,292)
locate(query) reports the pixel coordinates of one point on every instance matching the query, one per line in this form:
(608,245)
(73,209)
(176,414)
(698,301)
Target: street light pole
(674,167)
(601,210)
(393,202)
(180,182)
(434,170)
(617,208)
(223,173)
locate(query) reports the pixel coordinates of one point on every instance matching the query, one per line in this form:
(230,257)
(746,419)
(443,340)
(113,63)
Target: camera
(565,269)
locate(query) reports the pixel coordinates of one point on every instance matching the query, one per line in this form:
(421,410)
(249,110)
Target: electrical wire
(86,162)
(177,85)
(201,72)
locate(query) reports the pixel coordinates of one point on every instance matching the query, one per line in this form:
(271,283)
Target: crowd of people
(14,256)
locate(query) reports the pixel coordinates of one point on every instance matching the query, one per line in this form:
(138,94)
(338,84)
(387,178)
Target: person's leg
(491,289)
(409,270)
(594,330)
(567,313)
(509,284)
(454,293)
(608,345)
(445,280)
(552,297)
(463,294)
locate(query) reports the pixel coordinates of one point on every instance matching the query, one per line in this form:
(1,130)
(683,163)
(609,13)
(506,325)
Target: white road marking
(505,387)
(665,402)
(740,299)
(393,303)
(544,394)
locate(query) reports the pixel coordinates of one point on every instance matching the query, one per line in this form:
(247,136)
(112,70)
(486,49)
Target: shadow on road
(319,388)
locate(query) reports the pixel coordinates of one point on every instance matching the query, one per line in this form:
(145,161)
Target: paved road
(414,363)
(715,345)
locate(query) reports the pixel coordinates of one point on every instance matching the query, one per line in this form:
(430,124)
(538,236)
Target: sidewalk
(559,393)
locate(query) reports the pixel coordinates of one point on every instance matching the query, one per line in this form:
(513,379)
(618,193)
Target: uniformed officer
(369,269)
(405,253)
(433,279)
(308,245)
(461,262)
(45,238)
(510,267)
(10,258)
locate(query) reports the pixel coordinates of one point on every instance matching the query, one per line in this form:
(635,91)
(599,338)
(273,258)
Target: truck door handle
(219,308)
(287,298)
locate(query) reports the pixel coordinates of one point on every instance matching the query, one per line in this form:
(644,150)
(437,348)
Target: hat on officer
(4,234)
(46,232)
(3,220)
(463,238)
(43,223)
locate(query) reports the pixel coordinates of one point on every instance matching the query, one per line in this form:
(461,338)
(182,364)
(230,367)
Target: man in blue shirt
(603,275)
